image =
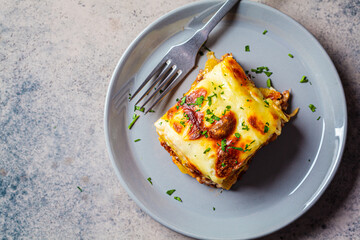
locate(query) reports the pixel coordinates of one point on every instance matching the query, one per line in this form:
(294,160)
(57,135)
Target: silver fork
(179,60)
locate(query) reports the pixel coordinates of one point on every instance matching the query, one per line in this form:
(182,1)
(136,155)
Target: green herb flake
(182,123)
(247,48)
(266,103)
(209,120)
(238,148)
(178,199)
(244,126)
(268,73)
(213,208)
(204,133)
(79,188)
(207,48)
(149,179)
(312,107)
(215,117)
(207,150)
(183,100)
(237,135)
(266,128)
(268,83)
(177,107)
(135,117)
(152,111)
(265,31)
(209,101)
(170,192)
(290,55)
(304,79)
(223,164)
(223,145)
(137,140)
(318,118)
(199,100)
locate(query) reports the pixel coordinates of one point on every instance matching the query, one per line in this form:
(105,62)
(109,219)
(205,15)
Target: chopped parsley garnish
(312,107)
(237,135)
(209,120)
(198,101)
(265,31)
(129,96)
(213,208)
(209,101)
(242,108)
(318,118)
(268,83)
(220,86)
(223,145)
(266,127)
(304,79)
(261,70)
(268,73)
(207,150)
(182,123)
(141,109)
(223,164)
(79,188)
(183,100)
(170,192)
(177,107)
(266,103)
(290,55)
(137,140)
(207,48)
(149,179)
(204,133)
(135,117)
(215,117)
(244,126)
(247,48)
(238,148)
(178,199)
(208,111)
(152,111)
(227,109)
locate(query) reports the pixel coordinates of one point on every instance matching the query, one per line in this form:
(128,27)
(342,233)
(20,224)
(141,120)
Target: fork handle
(225,8)
(202,34)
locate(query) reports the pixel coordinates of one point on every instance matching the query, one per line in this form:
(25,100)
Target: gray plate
(285,178)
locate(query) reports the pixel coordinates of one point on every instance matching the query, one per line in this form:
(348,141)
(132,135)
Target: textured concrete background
(56,59)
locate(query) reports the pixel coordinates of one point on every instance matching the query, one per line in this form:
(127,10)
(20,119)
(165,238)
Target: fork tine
(157,80)
(167,79)
(176,79)
(155,70)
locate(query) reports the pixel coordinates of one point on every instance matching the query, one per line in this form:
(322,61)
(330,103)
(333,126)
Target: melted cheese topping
(197,132)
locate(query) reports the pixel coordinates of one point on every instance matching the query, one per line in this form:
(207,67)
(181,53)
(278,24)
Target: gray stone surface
(56,59)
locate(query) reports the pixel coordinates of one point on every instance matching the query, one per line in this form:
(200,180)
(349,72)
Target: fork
(179,61)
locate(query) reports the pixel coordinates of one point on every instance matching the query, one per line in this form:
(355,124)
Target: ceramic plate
(285,178)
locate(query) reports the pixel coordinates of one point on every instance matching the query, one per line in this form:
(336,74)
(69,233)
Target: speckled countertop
(56,59)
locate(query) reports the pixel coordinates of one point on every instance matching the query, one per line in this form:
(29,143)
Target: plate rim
(143,34)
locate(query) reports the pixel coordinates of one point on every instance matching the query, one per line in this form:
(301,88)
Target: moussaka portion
(221,122)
